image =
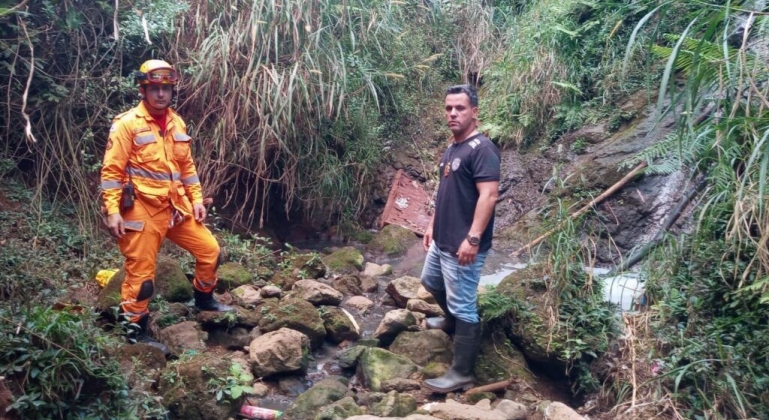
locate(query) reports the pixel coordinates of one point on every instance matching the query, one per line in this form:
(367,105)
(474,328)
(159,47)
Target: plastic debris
(104,276)
(253,412)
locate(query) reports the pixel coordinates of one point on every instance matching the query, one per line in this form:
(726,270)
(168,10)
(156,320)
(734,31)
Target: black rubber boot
(467,344)
(138,332)
(206,302)
(446,322)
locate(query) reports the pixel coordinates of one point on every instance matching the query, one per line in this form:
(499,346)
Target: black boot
(138,332)
(206,302)
(446,322)
(467,344)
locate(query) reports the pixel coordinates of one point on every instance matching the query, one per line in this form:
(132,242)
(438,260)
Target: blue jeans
(443,274)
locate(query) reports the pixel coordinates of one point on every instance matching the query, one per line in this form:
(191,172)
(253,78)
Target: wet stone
(402,289)
(359,303)
(271,291)
(401,385)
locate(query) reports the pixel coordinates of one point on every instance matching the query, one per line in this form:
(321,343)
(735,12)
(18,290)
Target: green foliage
(708,289)
(493,305)
(584,322)
(254,252)
(232,387)
(559,56)
(43,252)
(57,366)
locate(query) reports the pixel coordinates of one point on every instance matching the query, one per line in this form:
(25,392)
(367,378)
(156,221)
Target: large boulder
(247,296)
(348,358)
(247,318)
(322,394)
(307,266)
(231,276)
(402,289)
(368,284)
(392,404)
(392,241)
(170,282)
(231,339)
(423,347)
(500,359)
(340,325)
(345,260)
(376,366)
(529,330)
(373,269)
(393,323)
(184,337)
(342,409)
(348,284)
(359,303)
(297,314)
(284,350)
(185,388)
(418,305)
(316,293)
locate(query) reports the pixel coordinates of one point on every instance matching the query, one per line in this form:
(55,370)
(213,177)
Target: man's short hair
(468,90)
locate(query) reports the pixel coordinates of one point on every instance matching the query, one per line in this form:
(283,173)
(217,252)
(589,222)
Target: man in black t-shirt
(459,234)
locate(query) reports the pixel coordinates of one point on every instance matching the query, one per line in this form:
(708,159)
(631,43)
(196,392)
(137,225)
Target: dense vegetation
(295,104)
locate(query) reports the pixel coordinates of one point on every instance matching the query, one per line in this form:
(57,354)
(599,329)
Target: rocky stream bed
(339,337)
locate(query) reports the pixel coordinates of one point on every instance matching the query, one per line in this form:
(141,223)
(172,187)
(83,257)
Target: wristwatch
(473,240)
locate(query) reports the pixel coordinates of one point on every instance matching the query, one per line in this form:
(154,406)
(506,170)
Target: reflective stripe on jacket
(160,166)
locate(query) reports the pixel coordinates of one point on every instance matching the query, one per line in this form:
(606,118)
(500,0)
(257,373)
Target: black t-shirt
(463,165)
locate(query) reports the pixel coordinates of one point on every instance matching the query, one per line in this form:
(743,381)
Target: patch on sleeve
(113,128)
(109,144)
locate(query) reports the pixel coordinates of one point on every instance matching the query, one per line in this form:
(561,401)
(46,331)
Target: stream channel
(620,290)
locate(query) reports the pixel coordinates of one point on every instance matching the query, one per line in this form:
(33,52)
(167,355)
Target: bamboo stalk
(496,386)
(585,208)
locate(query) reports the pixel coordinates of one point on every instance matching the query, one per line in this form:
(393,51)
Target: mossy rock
(530,330)
(170,282)
(393,404)
(499,360)
(392,240)
(362,236)
(341,409)
(339,326)
(322,394)
(377,366)
(184,386)
(308,266)
(297,314)
(345,260)
(231,276)
(284,280)
(434,370)
(473,399)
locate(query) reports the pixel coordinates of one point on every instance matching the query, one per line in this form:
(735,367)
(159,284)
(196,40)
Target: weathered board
(408,205)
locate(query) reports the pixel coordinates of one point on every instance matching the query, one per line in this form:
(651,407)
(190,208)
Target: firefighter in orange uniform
(151,191)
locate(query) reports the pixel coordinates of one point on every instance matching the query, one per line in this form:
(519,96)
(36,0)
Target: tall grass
(710,295)
(560,58)
(287,97)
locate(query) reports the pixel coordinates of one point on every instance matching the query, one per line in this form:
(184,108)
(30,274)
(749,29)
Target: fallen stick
(496,386)
(579,212)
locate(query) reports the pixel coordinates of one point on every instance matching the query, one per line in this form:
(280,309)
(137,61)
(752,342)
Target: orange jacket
(160,166)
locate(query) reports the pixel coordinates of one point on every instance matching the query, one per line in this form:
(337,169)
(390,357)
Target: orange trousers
(144,233)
